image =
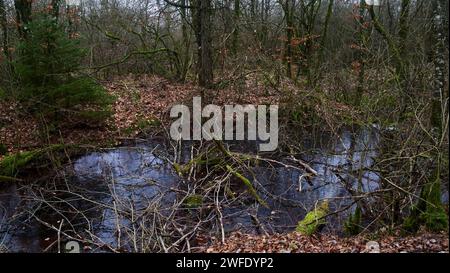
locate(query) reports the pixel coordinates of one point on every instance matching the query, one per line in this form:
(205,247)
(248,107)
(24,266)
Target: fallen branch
(9,179)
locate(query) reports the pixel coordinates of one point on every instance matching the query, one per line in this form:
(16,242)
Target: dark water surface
(141,176)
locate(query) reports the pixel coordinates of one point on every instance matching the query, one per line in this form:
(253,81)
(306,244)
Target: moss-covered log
(314,220)
(9,179)
(248,184)
(13,164)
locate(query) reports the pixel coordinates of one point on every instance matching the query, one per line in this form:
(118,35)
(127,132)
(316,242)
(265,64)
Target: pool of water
(106,196)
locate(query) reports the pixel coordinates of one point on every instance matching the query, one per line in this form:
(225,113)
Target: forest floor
(145,101)
(138,105)
(297,243)
(140,102)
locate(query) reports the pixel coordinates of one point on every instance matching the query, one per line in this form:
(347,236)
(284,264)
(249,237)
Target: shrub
(48,69)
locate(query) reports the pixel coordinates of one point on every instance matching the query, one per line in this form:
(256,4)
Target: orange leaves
(356,66)
(355,46)
(144,98)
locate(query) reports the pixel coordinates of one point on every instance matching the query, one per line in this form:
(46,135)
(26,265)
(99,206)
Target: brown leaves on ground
(297,243)
(145,98)
(18,131)
(138,100)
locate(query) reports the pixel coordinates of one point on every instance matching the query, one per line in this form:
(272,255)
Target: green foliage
(248,184)
(12,164)
(48,68)
(314,220)
(434,217)
(429,211)
(353,224)
(193,201)
(143,124)
(380,107)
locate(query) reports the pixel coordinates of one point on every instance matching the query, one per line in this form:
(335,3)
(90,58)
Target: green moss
(314,220)
(353,224)
(143,124)
(249,185)
(193,201)
(178,168)
(9,179)
(429,211)
(12,164)
(434,217)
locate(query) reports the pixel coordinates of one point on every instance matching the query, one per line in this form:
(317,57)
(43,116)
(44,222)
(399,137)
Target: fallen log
(9,179)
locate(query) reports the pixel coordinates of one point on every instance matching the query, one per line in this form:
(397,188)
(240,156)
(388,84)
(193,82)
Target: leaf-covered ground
(143,101)
(297,243)
(140,102)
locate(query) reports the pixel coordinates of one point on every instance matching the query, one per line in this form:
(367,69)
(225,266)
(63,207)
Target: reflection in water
(339,167)
(135,177)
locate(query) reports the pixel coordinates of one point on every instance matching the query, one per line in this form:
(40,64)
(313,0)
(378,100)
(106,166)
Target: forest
(358,94)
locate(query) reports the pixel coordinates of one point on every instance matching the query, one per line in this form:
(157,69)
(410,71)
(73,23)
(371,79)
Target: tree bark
(56,4)
(186,41)
(323,40)
(201,19)
(4,26)
(237,13)
(23,16)
(440,67)
(403,67)
(361,54)
(288,8)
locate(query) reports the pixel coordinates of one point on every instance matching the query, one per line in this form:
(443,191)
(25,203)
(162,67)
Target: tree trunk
(323,40)
(402,68)
(288,7)
(4,26)
(55,9)
(23,16)
(431,207)
(360,54)
(237,13)
(439,63)
(201,19)
(186,41)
